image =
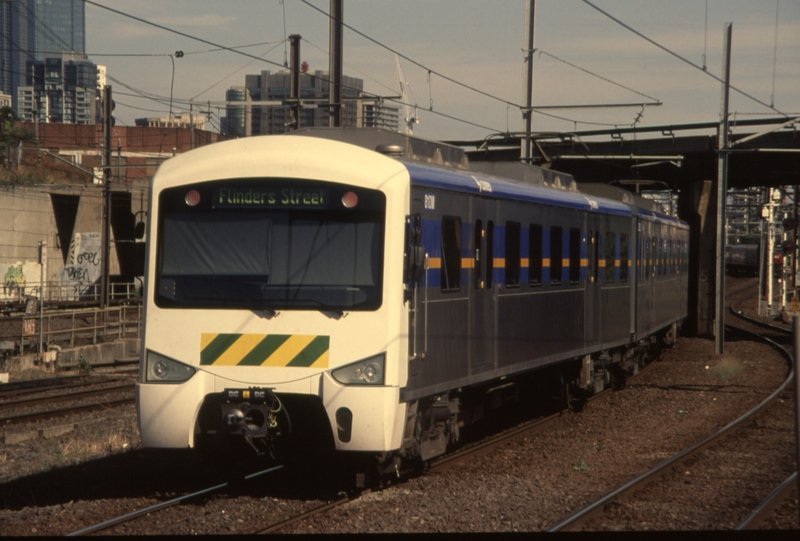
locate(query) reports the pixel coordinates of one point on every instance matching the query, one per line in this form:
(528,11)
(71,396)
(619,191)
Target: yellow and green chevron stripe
(298,350)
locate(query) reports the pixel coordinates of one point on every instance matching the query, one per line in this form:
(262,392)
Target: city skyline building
(59,88)
(32,29)
(198,121)
(254,117)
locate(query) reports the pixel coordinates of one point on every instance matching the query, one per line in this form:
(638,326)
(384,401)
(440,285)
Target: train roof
(438,165)
(476,183)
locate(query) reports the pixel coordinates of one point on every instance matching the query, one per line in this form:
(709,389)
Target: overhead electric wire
(679,57)
(216,49)
(230,49)
(178,32)
(554,57)
(350,66)
(450,79)
(41,27)
(234,72)
(418,64)
(774,55)
(189,36)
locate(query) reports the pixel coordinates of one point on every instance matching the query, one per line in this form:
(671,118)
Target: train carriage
(298,284)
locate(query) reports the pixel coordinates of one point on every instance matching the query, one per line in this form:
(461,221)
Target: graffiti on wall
(20,279)
(14,281)
(82,271)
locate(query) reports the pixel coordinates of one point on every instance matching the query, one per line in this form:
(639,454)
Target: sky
(583,57)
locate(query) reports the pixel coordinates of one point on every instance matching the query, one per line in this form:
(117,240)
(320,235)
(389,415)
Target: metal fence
(68,328)
(64,291)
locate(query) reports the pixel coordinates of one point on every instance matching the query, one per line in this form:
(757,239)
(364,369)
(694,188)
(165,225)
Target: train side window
(671,268)
(657,255)
(512,265)
(610,249)
(451,253)
(590,257)
(595,256)
(489,254)
(535,254)
(623,258)
(667,257)
(478,238)
(684,257)
(556,251)
(574,255)
(639,272)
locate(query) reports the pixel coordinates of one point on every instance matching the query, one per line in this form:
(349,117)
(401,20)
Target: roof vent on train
(523,173)
(391,150)
(402,146)
(609,192)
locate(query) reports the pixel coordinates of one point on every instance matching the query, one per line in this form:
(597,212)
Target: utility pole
(106,232)
(527,114)
(191,127)
(722,189)
(335,64)
(42,283)
(794,240)
(294,81)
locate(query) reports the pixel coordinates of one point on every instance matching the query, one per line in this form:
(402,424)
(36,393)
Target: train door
(483,297)
(593,286)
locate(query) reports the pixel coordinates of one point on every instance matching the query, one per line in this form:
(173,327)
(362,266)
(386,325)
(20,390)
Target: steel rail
(10,390)
(662,468)
(302,516)
(57,397)
(448,461)
(770,503)
(758,322)
(28,417)
(460,456)
(163,505)
(457,457)
(439,465)
(451,459)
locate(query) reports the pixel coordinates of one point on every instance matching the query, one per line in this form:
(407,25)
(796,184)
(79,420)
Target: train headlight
(370,371)
(161,369)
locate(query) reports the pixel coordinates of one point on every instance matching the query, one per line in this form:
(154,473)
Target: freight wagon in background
(743,259)
(371,292)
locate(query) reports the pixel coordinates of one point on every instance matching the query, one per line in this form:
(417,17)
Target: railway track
(300,516)
(26,387)
(609,504)
(442,464)
(111,393)
(164,505)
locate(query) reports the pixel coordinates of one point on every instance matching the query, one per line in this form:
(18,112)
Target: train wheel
(573,397)
(618,378)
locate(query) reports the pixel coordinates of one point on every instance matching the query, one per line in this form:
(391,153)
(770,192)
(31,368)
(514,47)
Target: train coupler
(256,414)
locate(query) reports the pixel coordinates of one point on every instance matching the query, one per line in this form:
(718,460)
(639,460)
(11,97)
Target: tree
(11,134)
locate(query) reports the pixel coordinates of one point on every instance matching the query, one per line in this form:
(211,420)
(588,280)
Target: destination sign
(272,197)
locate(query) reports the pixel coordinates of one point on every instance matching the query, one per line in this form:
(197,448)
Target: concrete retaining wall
(107,353)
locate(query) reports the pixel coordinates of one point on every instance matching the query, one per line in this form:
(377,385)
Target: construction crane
(410,119)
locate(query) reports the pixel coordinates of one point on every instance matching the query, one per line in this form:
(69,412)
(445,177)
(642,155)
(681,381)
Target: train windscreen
(270,244)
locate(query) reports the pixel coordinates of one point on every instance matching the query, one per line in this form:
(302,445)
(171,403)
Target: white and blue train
(376,301)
